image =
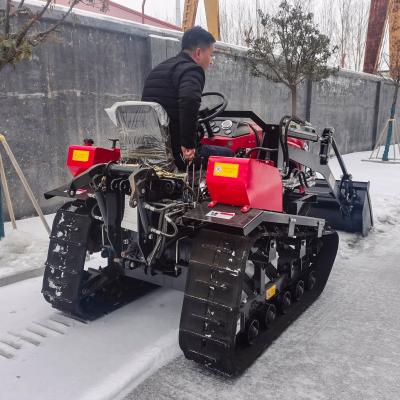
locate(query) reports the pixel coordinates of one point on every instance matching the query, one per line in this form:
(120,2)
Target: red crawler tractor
(250,241)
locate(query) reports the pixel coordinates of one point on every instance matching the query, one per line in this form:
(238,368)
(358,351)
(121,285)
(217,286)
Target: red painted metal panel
(81,158)
(244,182)
(247,141)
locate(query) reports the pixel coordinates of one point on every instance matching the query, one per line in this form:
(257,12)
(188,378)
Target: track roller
(286,301)
(252,331)
(299,290)
(270,314)
(312,280)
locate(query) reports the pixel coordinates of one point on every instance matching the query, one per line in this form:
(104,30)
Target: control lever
(113,143)
(88,142)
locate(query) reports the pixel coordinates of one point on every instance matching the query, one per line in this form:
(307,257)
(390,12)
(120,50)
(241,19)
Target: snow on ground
(25,248)
(345,346)
(45,355)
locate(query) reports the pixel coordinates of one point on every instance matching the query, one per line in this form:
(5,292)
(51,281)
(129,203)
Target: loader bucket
(327,207)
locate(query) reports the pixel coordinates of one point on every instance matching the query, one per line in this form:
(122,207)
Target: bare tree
(238,17)
(327,18)
(21,32)
(343,35)
(360,11)
(345,22)
(289,49)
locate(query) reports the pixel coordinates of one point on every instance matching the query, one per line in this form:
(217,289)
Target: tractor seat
(144,133)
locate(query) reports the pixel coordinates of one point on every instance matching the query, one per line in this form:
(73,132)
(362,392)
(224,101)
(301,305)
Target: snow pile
(18,253)
(23,249)
(15,243)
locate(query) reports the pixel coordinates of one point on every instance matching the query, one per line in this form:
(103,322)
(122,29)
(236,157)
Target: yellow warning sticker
(226,170)
(80,155)
(271,291)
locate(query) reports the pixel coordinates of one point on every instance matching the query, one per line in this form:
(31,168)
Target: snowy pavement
(45,355)
(346,346)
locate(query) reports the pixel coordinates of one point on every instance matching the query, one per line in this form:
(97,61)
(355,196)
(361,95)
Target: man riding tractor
(177,85)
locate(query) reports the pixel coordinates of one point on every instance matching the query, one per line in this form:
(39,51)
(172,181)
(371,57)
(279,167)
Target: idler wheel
(299,290)
(270,315)
(286,301)
(252,331)
(311,281)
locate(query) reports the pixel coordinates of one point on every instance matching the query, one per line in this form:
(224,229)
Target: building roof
(120,11)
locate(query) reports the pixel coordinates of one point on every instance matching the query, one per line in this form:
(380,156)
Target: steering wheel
(207,114)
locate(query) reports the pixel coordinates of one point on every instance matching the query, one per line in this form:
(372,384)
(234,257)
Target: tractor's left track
(85,294)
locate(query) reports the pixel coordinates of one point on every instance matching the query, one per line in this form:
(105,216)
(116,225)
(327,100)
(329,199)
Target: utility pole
(143,4)
(178,20)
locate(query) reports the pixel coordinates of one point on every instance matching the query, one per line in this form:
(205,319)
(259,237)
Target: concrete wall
(346,102)
(59,97)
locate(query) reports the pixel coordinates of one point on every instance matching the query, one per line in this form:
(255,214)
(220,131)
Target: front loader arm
(312,161)
(351,199)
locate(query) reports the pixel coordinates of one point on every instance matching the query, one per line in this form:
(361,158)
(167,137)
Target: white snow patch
(25,248)
(123,380)
(15,243)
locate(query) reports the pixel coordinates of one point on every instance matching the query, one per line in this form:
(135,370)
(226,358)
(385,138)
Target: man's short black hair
(197,37)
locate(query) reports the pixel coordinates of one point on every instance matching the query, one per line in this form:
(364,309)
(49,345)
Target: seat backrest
(144,134)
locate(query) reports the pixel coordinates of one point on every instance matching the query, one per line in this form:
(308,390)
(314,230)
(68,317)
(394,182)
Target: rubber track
(66,259)
(64,272)
(211,306)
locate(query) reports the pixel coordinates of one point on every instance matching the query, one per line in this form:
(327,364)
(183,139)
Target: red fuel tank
(81,158)
(244,182)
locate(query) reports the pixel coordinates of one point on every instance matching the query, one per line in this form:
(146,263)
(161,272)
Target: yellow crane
(212,15)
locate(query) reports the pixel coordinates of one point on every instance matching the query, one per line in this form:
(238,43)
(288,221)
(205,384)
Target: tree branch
(31,22)
(41,36)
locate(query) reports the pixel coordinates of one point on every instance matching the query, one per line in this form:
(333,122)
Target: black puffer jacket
(177,84)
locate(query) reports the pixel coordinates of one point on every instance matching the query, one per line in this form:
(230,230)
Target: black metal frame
(271,132)
(246,223)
